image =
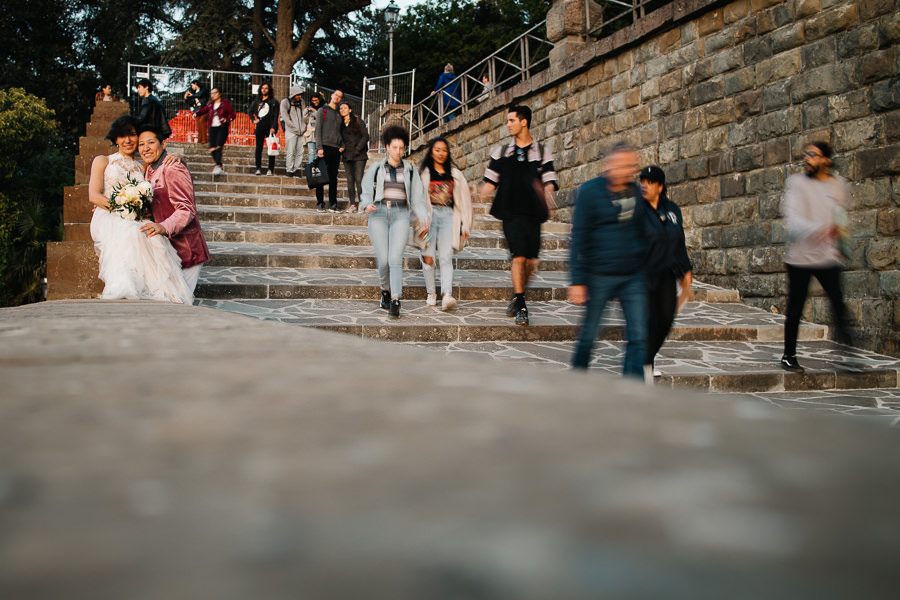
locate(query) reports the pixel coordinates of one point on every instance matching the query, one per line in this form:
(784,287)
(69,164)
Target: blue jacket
(607,234)
(450,95)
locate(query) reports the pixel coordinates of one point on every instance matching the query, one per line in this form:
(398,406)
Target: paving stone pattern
(275,258)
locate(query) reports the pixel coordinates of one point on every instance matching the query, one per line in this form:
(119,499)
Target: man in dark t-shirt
(522,175)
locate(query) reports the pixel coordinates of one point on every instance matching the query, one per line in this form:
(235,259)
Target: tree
(31,180)
(211,35)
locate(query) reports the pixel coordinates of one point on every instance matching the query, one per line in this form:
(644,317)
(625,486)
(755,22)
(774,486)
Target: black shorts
(523,236)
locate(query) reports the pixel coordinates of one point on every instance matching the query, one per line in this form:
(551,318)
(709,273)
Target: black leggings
(662,297)
(333,162)
(798,288)
(262,132)
(217,137)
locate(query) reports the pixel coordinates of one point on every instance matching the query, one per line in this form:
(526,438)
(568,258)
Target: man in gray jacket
(293,124)
(329,146)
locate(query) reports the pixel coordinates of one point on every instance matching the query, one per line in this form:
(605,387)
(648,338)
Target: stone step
(486,321)
(714,366)
(357,235)
(309,216)
(313,256)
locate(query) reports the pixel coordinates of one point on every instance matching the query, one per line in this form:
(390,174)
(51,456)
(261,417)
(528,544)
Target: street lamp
(391,17)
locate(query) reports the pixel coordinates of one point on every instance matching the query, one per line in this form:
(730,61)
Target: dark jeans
(798,289)
(631,290)
(333,163)
(217,137)
(355,169)
(661,300)
(262,132)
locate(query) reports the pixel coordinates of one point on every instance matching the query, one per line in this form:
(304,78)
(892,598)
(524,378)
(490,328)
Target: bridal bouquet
(131,199)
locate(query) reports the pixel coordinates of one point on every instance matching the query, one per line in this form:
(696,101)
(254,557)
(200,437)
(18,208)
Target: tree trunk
(256,63)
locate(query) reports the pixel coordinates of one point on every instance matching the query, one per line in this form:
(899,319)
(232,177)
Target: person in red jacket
(173,206)
(220,114)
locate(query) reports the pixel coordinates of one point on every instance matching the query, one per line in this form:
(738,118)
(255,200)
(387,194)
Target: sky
(403,4)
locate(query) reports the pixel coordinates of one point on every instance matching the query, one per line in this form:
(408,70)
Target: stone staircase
(274,257)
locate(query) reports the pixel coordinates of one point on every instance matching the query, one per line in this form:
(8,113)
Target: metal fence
(387,98)
(605,16)
(171,83)
(514,62)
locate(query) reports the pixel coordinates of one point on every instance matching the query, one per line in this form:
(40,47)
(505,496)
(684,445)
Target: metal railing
(516,61)
(614,14)
(386,98)
(171,83)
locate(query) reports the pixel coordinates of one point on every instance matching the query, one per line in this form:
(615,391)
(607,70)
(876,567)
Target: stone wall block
(718,213)
(877,66)
(851,105)
(778,123)
(697,168)
(777,152)
(736,261)
(668,151)
(736,11)
(757,285)
(740,81)
(786,64)
(757,50)
(889,284)
(745,210)
(831,21)
(650,90)
(669,82)
(859,133)
(709,238)
(691,145)
(722,162)
(719,41)
(749,157)
(815,113)
(806,8)
(715,140)
(869,9)
(732,185)
(892,126)
(694,119)
(713,262)
(863,224)
(728,60)
(882,254)
(886,95)
(788,38)
(767,260)
(889,222)
(819,54)
(879,162)
(830,79)
(708,191)
(711,22)
(870,193)
(777,95)
(683,56)
(769,209)
(889,31)
(748,104)
(765,180)
(633,97)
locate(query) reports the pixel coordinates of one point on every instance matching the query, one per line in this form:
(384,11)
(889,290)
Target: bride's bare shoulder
(100,162)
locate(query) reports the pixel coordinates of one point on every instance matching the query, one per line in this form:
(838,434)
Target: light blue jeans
(311,147)
(389,232)
(631,290)
(293,152)
(442,241)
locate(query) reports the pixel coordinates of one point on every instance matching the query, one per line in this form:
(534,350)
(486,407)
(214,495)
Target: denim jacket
(373,189)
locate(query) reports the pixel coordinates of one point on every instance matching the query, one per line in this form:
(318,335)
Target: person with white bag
(264,112)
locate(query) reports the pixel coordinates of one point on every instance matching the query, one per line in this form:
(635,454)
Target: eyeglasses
(809,154)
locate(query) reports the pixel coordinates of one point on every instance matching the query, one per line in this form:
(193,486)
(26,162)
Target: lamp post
(391,17)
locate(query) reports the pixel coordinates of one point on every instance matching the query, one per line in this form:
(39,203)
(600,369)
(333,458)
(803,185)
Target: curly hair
(395,132)
(123,126)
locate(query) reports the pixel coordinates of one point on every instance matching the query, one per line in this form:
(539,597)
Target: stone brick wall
(725,96)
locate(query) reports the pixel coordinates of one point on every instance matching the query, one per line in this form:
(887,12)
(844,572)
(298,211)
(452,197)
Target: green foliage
(212,35)
(429,35)
(33,171)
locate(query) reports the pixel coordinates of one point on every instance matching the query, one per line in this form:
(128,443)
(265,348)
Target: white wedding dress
(132,265)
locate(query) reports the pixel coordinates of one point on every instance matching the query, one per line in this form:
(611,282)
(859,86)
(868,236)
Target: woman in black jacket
(264,112)
(355,152)
(668,265)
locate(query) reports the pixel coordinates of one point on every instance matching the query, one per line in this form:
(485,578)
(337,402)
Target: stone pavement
(151,450)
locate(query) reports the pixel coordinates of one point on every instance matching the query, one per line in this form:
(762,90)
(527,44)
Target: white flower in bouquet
(131,199)
(145,189)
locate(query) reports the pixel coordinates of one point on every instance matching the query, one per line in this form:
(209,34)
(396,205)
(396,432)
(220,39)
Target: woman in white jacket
(449,205)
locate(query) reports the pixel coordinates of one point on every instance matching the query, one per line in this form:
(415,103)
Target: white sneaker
(431,300)
(217,170)
(657,373)
(448,302)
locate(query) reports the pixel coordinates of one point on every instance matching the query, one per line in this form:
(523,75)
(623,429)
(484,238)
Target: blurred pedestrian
(607,256)
(448,100)
(198,97)
(355,152)
(522,174)
(450,214)
(264,113)
(220,114)
(668,265)
(294,124)
(814,206)
(392,193)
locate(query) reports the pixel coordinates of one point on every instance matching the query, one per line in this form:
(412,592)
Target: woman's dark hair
(123,126)
(152,129)
(354,120)
(260,94)
(317,96)
(146,83)
(654,175)
(395,132)
(428,161)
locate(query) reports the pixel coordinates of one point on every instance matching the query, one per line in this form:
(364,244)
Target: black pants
(262,132)
(661,301)
(798,289)
(217,137)
(354,169)
(333,162)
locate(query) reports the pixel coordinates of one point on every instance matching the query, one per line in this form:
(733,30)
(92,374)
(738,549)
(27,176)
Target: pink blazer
(173,207)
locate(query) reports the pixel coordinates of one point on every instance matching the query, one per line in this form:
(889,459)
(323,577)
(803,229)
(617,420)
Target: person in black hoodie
(668,265)
(264,112)
(152,111)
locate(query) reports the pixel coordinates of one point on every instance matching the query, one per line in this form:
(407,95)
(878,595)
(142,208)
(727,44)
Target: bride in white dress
(132,265)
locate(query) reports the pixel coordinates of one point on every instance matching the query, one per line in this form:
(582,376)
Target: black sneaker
(320,208)
(789,363)
(395,309)
(522,317)
(334,209)
(385,299)
(512,308)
